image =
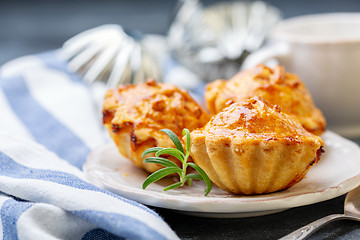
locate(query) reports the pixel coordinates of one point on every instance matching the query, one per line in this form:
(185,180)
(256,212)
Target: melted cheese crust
(134,114)
(275,86)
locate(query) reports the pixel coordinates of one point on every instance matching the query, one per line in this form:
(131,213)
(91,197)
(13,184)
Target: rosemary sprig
(170,167)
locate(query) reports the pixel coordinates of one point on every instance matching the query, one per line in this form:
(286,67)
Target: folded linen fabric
(49,122)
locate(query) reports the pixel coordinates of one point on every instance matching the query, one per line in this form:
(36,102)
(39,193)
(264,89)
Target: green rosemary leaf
(186,133)
(204,176)
(151,150)
(171,167)
(174,138)
(161,161)
(172,186)
(189,181)
(173,152)
(159,174)
(194,176)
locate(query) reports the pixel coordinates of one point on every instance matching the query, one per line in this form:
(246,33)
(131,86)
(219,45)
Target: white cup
(324,51)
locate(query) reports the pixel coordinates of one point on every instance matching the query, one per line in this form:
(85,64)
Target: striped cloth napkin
(49,122)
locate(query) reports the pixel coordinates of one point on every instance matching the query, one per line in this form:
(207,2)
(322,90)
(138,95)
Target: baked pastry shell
(132,151)
(254,166)
(135,114)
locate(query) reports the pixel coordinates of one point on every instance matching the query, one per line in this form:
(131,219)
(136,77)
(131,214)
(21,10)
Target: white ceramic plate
(337,172)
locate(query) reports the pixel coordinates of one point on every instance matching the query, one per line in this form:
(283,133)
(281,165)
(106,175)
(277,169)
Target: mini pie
(252,147)
(275,86)
(134,114)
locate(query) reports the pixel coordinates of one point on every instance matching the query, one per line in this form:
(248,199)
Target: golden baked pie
(134,114)
(275,86)
(252,147)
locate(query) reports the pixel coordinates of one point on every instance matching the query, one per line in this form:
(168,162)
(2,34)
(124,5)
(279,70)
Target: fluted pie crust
(274,85)
(252,147)
(135,114)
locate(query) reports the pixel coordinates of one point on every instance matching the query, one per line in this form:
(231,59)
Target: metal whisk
(109,53)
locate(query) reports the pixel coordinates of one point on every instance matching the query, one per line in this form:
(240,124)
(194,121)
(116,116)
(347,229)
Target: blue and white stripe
(48,124)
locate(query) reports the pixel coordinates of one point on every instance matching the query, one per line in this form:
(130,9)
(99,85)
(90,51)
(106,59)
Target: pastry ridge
(252,147)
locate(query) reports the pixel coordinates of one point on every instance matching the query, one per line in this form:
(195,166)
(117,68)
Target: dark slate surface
(28,27)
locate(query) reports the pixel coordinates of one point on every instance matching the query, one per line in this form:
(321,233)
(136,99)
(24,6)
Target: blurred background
(28,27)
